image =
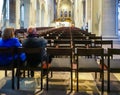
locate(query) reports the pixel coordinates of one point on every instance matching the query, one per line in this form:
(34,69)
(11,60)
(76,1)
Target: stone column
(88,10)
(55,9)
(26,13)
(12,13)
(32,13)
(94,17)
(88,14)
(38,14)
(109,21)
(17,15)
(78,13)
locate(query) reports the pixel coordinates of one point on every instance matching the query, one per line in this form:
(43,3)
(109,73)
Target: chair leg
(47,80)
(77,82)
(13,79)
(5,73)
(28,71)
(71,81)
(51,74)
(95,75)
(18,79)
(24,73)
(41,79)
(102,86)
(108,83)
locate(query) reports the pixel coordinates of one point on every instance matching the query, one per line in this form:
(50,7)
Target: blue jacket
(12,42)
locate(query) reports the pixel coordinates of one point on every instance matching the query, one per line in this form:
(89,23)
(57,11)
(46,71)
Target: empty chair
(61,61)
(104,44)
(82,43)
(64,43)
(113,64)
(88,60)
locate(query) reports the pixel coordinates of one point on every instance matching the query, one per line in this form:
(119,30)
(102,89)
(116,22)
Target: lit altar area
(64,14)
(63,22)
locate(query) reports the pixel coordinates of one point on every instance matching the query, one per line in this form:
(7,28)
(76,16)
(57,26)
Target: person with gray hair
(33,41)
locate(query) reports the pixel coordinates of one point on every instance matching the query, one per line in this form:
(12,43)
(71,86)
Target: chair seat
(8,67)
(115,64)
(36,68)
(88,64)
(60,64)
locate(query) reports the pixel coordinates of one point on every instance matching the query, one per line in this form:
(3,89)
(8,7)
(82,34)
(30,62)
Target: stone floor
(59,84)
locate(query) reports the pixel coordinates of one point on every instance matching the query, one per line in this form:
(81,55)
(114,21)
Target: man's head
(32,31)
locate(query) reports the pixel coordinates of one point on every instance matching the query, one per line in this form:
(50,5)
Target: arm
(17,43)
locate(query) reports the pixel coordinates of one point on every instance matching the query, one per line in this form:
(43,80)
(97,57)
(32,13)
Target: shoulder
(15,39)
(43,40)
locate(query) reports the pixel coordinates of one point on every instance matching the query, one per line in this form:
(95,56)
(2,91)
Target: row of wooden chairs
(88,60)
(80,43)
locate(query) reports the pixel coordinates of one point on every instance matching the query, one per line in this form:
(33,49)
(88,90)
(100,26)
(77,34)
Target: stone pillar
(88,14)
(12,13)
(80,16)
(17,15)
(55,10)
(88,10)
(38,14)
(94,17)
(32,13)
(26,13)
(109,21)
(78,13)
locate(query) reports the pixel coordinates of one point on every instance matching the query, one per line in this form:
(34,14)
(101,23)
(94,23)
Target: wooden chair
(95,38)
(62,61)
(104,44)
(6,52)
(81,43)
(29,51)
(113,64)
(87,62)
(58,43)
(64,43)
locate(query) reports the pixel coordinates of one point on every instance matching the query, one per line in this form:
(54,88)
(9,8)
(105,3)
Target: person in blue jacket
(8,40)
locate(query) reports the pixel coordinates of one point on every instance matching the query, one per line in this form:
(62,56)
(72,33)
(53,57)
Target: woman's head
(8,33)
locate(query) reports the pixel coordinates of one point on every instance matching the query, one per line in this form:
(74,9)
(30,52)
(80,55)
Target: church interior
(82,35)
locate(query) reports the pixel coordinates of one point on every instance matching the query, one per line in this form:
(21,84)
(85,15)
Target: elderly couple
(9,40)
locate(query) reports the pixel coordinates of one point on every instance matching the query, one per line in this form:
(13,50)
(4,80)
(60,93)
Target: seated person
(8,40)
(33,41)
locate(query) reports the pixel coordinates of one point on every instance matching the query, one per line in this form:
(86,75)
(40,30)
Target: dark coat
(34,42)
